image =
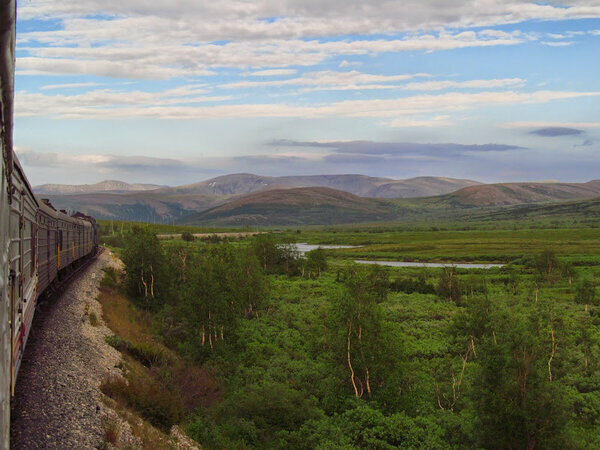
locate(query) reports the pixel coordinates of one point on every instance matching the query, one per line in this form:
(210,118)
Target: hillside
(113,186)
(138,207)
(360,185)
(506,194)
(581,210)
(297,206)
(165,205)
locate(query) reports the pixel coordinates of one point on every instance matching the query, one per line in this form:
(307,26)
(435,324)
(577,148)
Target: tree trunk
(350,361)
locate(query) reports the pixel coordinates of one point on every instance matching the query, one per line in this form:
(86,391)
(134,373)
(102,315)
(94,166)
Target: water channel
(304,247)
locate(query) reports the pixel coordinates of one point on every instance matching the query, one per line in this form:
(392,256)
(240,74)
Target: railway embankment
(58,403)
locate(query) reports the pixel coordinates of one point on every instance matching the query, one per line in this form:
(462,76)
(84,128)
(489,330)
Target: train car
(22,287)
(7,52)
(47,219)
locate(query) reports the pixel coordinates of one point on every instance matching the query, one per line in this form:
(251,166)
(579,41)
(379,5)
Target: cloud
(184,103)
(328,80)
(302,18)
(68,86)
(556,131)
(128,163)
(271,73)
(156,48)
(548,124)
(586,143)
(557,44)
(408,122)
(396,149)
(471,84)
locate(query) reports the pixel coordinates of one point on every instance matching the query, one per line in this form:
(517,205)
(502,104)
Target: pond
(304,247)
(424,264)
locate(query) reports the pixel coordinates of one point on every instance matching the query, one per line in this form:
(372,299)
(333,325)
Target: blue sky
(178,91)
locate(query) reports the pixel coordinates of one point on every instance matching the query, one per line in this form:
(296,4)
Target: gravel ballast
(58,401)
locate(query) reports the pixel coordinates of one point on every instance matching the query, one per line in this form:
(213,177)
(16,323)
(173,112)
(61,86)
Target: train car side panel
(5,340)
(22,263)
(47,264)
(7,52)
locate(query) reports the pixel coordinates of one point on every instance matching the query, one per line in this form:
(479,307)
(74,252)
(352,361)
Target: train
(39,246)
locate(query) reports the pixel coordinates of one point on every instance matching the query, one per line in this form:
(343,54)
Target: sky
(178,91)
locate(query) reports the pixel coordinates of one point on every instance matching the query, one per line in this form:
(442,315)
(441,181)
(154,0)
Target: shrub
(112,429)
(188,237)
(159,405)
(93,319)
(410,285)
(449,286)
(116,342)
(149,354)
(585,293)
(111,277)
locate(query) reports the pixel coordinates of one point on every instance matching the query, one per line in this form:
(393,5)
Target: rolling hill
(506,194)
(297,206)
(247,199)
(360,185)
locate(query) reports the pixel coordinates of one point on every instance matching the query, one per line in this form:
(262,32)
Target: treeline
(318,358)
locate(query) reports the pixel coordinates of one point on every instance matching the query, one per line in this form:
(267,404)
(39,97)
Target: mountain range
(104,186)
(246,199)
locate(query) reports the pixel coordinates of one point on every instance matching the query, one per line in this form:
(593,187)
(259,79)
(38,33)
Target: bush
(410,285)
(116,342)
(111,277)
(188,237)
(449,286)
(160,406)
(585,293)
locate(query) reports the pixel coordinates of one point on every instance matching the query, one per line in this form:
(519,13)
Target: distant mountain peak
(102,186)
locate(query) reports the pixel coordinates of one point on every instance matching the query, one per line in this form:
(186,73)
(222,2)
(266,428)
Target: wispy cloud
(471,84)
(271,73)
(397,148)
(166,105)
(327,80)
(557,44)
(68,86)
(550,124)
(556,132)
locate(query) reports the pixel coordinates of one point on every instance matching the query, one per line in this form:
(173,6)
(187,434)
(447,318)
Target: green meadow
(315,351)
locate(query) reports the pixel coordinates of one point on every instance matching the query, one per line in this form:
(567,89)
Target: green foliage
(316,262)
(410,285)
(275,257)
(509,361)
(586,293)
(360,343)
(518,401)
(449,286)
(147,278)
(548,266)
(222,285)
(187,237)
(367,427)
(111,277)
